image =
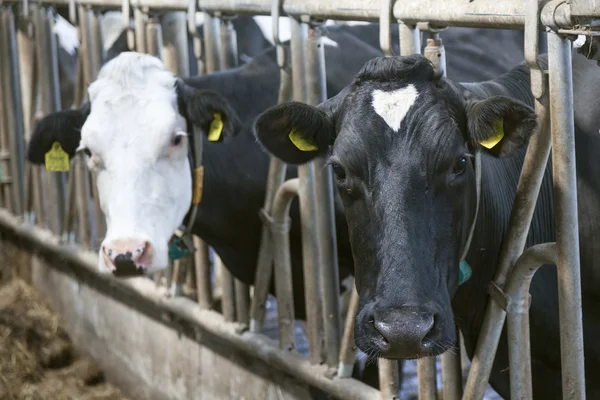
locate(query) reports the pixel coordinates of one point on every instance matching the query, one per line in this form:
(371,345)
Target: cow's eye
(87,152)
(177,138)
(459,165)
(339,171)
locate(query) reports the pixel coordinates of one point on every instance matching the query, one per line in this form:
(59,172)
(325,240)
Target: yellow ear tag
(496,138)
(216,128)
(301,143)
(57,160)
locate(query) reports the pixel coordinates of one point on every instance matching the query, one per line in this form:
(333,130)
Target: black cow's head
(402,151)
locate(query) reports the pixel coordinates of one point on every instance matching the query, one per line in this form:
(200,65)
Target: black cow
(401,146)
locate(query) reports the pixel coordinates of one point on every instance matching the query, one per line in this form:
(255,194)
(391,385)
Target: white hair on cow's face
(393,106)
(143,176)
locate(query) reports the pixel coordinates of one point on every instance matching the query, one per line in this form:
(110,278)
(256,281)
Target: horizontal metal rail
(508,14)
(184,314)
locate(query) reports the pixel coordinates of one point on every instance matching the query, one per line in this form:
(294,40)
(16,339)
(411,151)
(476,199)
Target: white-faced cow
(401,145)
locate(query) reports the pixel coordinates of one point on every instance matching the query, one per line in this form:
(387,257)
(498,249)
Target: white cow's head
(134,133)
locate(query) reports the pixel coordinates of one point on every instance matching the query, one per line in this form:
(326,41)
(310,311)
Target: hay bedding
(37,358)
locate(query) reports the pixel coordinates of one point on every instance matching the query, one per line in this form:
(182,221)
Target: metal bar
(83,265)
(202,266)
(95,41)
(325,215)
(154,37)
(451,373)
(482,13)
(47,71)
(348,348)
(228,289)
(307,200)
(5,165)
(388,379)
(410,40)
(139,20)
(242,301)
(14,112)
(514,242)
(426,372)
(211,43)
(175,44)
(229,59)
(517,319)
(565,201)
(280,229)
(228,56)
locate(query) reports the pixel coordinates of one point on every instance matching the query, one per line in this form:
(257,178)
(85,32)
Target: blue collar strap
(464,272)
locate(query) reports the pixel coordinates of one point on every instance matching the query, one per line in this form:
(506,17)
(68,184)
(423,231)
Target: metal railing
(29,78)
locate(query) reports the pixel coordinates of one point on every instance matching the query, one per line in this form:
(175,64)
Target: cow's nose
(406,332)
(127,257)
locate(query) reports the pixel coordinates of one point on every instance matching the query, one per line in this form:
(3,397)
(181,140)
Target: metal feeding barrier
(67,204)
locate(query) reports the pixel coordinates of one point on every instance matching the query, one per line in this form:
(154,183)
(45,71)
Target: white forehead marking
(393,106)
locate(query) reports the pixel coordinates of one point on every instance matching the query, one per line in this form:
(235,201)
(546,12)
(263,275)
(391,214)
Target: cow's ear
(500,125)
(295,132)
(209,111)
(63,127)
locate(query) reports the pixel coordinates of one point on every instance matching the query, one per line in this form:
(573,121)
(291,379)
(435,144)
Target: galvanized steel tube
(154,37)
(14,108)
(280,229)
(452,373)
(517,293)
(410,40)
(175,43)
(388,379)
(139,20)
(565,201)
(47,70)
(348,347)
(325,215)
(307,200)
(212,47)
(515,238)
(264,267)
(426,372)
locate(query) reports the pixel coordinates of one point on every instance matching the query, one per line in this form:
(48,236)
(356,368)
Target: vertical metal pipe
(410,40)
(280,228)
(517,319)
(228,57)
(47,70)
(211,43)
(139,20)
(14,112)
(565,201)
(202,265)
(388,379)
(6,196)
(515,238)
(451,373)
(154,37)
(325,215)
(426,372)
(276,176)
(348,347)
(307,200)
(175,44)
(95,41)
(228,289)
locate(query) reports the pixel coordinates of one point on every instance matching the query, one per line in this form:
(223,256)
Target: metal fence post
(567,227)
(325,216)
(307,200)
